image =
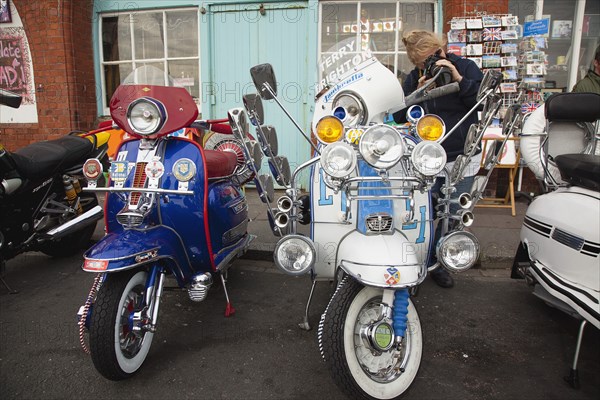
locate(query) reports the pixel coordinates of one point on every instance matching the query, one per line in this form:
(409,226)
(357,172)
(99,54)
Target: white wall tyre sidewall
(130,365)
(402,383)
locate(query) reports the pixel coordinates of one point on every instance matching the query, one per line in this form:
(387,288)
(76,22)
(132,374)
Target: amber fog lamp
(330,129)
(431,127)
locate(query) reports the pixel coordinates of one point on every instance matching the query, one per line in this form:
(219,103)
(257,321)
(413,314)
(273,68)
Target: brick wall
(60,41)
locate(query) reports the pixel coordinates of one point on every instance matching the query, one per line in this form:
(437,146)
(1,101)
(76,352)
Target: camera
(431,70)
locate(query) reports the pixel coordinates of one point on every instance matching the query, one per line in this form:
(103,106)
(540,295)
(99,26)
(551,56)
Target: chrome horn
(465,217)
(284,204)
(282,220)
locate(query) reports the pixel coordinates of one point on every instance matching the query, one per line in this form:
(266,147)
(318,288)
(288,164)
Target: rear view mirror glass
(264,80)
(254,107)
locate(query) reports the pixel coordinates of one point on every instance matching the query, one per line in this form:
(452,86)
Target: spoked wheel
(118,350)
(357,366)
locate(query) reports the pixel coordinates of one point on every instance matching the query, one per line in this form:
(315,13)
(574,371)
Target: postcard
(491,61)
(510,20)
(491,20)
(510,61)
(509,48)
(457,35)
(457,23)
(510,87)
(474,23)
(474,49)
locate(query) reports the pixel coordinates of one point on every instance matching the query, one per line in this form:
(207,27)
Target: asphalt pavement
(487,338)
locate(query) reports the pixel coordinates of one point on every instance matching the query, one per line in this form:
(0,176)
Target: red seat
(219,164)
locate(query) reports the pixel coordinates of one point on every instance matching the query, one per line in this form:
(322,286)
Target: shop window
(378,27)
(166,39)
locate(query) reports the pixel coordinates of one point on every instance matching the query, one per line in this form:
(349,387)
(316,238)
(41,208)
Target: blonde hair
(420,43)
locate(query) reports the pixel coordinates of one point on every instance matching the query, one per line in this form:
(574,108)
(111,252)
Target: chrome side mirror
(491,80)
(239,122)
(268,140)
(265,188)
(254,107)
(264,80)
(255,153)
(472,138)
(490,155)
(280,168)
(511,119)
(459,165)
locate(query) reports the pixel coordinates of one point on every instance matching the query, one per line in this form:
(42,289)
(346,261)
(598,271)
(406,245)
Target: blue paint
(324,199)
(400,312)
(367,207)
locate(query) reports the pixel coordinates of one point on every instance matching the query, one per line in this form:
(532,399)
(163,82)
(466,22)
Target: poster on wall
(5,12)
(15,63)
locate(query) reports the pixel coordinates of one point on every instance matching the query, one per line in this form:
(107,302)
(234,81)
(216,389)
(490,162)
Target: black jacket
(451,108)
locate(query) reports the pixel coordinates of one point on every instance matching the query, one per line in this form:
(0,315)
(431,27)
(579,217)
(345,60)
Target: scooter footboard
(131,248)
(386,261)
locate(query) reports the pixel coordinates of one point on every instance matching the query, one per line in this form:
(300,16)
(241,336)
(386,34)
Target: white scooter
(560,238)
(370,214)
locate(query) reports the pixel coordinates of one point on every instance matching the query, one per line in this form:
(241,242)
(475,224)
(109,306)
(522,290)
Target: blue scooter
(172,207)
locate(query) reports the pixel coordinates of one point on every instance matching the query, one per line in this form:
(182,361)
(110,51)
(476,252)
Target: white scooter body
(368,256)
(562,236)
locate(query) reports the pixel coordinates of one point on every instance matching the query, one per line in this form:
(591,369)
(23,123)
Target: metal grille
(567,239)
(379,223)
(130,219)
(139,181)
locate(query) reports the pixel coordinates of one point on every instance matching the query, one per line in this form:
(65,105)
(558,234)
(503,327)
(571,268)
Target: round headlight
(430,127)
(146,116)
(350,109)
(295,254)
(338,160)
(458,251)
(330,129)
(381,146)
(429,158)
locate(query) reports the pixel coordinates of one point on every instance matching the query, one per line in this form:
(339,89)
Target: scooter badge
(92,169)
(392,277)
(154,170)
(184,170)
(118,172)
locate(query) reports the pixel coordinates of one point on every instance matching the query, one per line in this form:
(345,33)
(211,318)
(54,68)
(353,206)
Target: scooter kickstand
(305,325)
(229,310)
(573,378)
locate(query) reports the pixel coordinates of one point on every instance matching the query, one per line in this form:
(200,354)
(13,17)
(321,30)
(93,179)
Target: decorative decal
(392,276)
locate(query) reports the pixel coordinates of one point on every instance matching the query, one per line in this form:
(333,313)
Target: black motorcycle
(42,207)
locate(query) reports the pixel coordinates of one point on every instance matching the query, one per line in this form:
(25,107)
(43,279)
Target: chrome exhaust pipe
(282,220)
(87,218)
(284,204)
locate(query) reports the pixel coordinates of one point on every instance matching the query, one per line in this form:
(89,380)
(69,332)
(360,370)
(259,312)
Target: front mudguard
(385,261)
(133,248)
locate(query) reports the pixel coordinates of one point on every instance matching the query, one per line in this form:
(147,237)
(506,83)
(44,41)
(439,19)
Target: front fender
(386,261)
(132,248)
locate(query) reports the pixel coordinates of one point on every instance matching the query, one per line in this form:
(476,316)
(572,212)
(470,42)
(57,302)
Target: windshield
(343,59)
(148,75)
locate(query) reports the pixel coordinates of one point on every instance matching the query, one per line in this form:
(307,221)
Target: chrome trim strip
(88,217)
(113,189)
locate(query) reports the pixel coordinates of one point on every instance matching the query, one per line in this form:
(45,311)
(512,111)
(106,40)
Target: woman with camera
(427,52)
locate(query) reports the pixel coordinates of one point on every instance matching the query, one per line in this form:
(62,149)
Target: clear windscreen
(341,60)
(148,75)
